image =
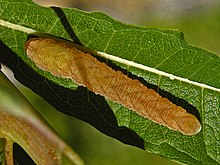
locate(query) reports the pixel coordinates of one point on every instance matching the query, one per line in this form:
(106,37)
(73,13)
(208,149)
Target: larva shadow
(81,103)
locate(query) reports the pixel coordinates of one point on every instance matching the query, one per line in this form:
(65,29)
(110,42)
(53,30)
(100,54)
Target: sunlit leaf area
(177,37)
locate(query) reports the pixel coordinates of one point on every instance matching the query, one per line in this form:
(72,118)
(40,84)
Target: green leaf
(187,75)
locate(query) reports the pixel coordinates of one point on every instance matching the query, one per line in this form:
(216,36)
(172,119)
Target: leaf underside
(164,50)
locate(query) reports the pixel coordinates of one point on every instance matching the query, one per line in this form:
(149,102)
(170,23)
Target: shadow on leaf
(94,110)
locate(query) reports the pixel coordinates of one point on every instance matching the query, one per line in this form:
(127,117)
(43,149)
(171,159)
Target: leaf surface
(195,87)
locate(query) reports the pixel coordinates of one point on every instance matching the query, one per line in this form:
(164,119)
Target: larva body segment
(63,60)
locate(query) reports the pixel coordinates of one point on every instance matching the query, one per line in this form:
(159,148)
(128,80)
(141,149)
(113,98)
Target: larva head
(30,45)
(33,49)
(52,56)
(48,54)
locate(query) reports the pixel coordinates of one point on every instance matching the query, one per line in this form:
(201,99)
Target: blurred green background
(200,23)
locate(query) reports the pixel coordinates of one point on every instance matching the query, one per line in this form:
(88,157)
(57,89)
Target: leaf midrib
(119,60)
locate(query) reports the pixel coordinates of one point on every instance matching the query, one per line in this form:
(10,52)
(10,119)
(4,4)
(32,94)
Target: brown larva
(63,60)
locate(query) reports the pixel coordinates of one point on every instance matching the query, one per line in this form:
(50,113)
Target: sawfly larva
(61,59)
